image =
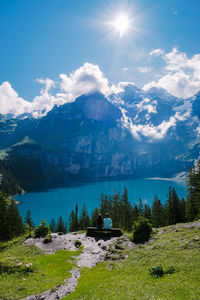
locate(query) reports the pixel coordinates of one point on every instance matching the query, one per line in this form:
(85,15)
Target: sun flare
(121,24)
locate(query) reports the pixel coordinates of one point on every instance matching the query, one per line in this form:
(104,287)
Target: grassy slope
(48,270)
(130,278)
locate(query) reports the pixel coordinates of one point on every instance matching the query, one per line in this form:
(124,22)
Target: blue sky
(43,39)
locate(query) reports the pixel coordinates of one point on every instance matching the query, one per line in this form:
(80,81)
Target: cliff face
(131,134)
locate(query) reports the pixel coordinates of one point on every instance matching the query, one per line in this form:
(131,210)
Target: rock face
(130,134)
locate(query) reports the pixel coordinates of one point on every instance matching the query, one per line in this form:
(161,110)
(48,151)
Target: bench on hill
(96,232)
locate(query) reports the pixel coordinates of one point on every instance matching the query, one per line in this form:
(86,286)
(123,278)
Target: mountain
(130,134)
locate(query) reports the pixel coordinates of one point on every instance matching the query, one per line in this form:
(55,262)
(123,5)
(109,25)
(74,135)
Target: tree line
(123,214)
(117,205)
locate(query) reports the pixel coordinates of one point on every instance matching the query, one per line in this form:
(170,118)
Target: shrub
(47,239)
(119,247)
(141,230)
(157,271)
(42,229)
(170,270)
(77,243)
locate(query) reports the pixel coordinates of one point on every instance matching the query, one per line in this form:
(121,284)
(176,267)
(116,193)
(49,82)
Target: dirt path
(93,253)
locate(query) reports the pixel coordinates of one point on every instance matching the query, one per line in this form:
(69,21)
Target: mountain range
(130,134)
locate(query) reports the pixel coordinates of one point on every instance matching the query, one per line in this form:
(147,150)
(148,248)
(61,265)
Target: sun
(121,24)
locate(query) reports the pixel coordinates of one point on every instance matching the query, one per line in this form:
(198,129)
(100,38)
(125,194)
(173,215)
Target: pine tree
(182,210)
(41,230)
(73,222)
(76,216)
(11,224)
(135,213)
(140,207)
(127,224)
(29,222)
(3,217)
(14,221)
(147,211)
(53,226)
(193,198)
(66,226)
(105,206)
(61,225)
(173,207)
(115,214)
(84,220)
(157,215)
(190,208)
(95,213)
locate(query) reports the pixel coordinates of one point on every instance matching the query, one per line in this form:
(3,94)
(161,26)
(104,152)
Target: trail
(94,252)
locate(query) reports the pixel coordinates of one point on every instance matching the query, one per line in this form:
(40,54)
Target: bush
(47,239)
(119,247)
(157,271)
(42,229)
(77,244)
(170,270)
(141,230)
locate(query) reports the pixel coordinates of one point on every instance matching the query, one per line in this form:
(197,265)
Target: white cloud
(125,69)
(48,83)
(182,78)
(157,52)
(87,79)
(120,87)
(146,104)
(144,69)
(10,102)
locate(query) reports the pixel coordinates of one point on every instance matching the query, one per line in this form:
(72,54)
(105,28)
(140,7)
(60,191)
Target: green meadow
(130,278)
(30,270)
(125,278)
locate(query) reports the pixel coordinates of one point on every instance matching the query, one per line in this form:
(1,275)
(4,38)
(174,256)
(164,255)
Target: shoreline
(166,179)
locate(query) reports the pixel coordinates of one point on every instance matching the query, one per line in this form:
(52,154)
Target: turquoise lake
(52,203)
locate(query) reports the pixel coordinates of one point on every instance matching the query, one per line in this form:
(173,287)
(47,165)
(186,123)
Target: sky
(54,50)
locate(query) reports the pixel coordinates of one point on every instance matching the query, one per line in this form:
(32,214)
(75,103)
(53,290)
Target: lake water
(52,203)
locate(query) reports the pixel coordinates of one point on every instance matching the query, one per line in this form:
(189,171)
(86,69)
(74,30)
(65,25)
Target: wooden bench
(96,232)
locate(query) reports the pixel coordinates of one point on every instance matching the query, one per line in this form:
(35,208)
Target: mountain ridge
(146,135)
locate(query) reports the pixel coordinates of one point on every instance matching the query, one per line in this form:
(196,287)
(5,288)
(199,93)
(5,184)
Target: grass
(45,271)
(131,279)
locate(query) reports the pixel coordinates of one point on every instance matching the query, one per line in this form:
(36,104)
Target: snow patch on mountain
(149,131)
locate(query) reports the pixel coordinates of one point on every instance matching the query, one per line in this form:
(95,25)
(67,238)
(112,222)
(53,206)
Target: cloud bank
(182,78)
(85,80)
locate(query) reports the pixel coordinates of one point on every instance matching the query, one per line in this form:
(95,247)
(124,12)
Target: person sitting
(107,222)
(99,221)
